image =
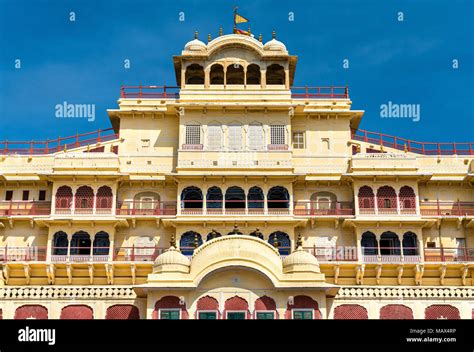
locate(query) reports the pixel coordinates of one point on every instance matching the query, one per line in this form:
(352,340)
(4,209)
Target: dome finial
(274,34)
(209,37)
(260,38)
(173,240)
(299,241)
(220,31)
(196,240)
(196,35)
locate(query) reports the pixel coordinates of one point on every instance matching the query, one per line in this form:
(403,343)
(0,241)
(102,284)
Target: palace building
(236,195)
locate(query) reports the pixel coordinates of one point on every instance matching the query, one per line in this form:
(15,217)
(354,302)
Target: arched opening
(369,244)
(396,311)
(323,203)
(214,199)
(101,243)
(31,311)
(234,198)
(146,203)
(63,199)
(442,311)
(207,308)
(191,198)
(77,311)
(194,74)
(253,74)
(81,243)
(84,200)
(350,312)
(189,241)
(281,241)
(60,243)
(104,199)
(386,200)
(255,200)
(275,74)
(235,74)
(302,308)
(122,312)
(278,198)
(217,74)
(213,234)
(170,308)
(366,200)
(236,308)
(410,244)
(265,308)
(407,200)
(389,243)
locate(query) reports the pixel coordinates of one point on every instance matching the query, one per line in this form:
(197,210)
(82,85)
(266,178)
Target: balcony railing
(425,148)
(320,92)
(149,92)
(137,254)
(235,207)
(56,145)
(387,211)
(24,208)
(146,208)
(449,254)
(22,254)
(79,254)
(333,254)
(192,147)
(323,208)
(83,211)
(447,208)
(277,147)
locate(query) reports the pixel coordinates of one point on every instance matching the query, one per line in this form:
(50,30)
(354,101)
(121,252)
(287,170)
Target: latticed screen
(298,140)
(256,139)
(193,134)
(214,137)
(235,137)
(277,134)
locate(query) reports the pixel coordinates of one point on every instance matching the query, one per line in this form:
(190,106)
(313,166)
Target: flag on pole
(239,19)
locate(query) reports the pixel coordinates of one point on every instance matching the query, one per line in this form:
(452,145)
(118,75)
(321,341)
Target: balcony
(321,208)
(149,92)
(235,207)
(146,208)
(25,208)
(84,211)
(387,255)
(446,209)
(22,254)
(447,254)
(80,255)
(320,92)
(333,254)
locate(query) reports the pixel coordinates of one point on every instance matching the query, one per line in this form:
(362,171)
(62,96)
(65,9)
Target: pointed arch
(84,200)
(104,199)
(280,240)
(214,200)
(234,198)
(63,199)
(275,75)
(366,200)
(191,198)
(80,243)
(101,243)
(410,243)
(189,241)
(369,243)
(255,200)
(194,74)
(216,74)
(60,243)
(253,74)
(278,198)
(235,74)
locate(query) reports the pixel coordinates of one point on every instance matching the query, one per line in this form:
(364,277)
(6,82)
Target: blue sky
(407,62)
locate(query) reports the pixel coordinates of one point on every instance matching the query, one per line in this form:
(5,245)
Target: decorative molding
(58,292)
(358,292)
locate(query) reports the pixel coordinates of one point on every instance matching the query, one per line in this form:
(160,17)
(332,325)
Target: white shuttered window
(235,137)
(256,137)
(214,137)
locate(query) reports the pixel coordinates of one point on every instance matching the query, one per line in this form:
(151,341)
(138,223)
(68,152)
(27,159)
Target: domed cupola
(274,45)
(195,44)
(300,261)
(172,260)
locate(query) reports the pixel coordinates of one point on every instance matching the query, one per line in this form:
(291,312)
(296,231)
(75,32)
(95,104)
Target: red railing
(322,208)
(170,92)
(449,254)
(425,148)
(447,208)
(320,92)
(137,254)
(24,208)
(390,254)
(333,254)
(79,254)
(137,208)
(56,145)
(22,254)
(192,147)
(235,207)
(277,147)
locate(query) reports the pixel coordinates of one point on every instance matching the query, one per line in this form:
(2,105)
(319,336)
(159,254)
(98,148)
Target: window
(256,138)
(145,143)
(303,314)
(430,244)
(214,137)
(236,315)
(170,314)
(298,140)
(193,134)
(235,137)
(207,315)
(265,315)
(42,195)
(26,195)
(325,143)
(277,134)
(8,195)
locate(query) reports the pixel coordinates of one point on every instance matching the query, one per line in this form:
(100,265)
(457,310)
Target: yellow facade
(314,219)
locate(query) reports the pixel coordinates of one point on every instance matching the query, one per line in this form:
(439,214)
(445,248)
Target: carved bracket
(336,273)
(109,271)
(27,270)
(51,273)
(400,274)
(378,273)
(464,272)
(360,274)
(442,271)
(69,273)
(419,270)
